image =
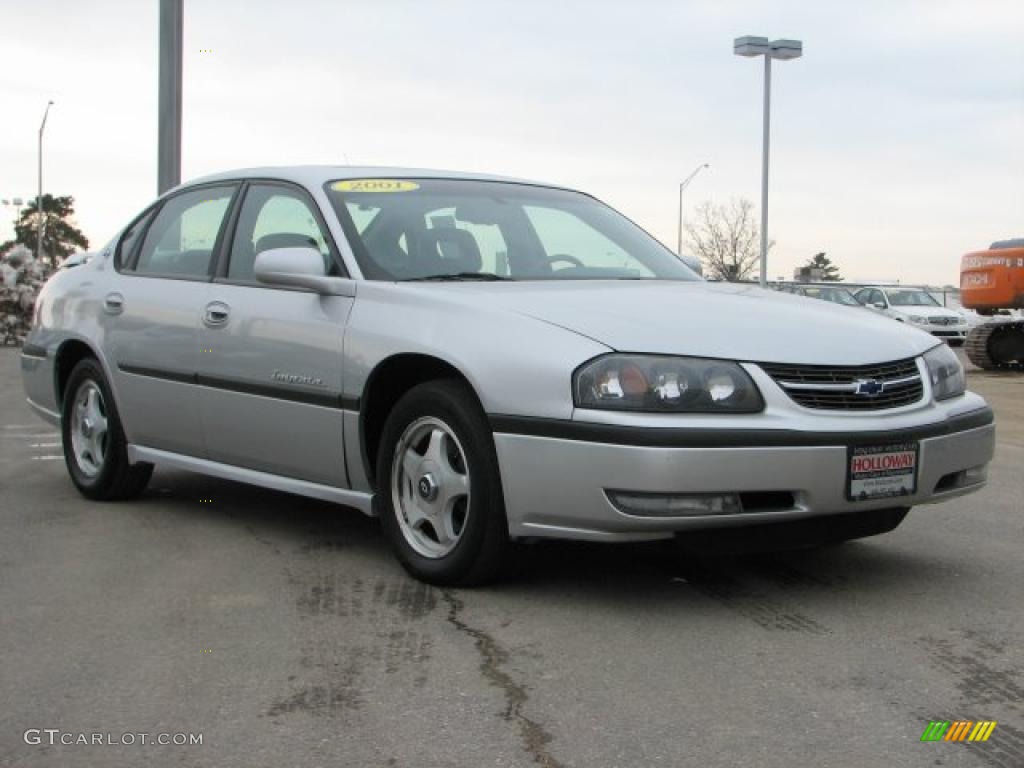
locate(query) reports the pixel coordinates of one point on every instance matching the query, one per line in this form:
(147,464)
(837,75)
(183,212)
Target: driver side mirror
(300,267)
(878,305)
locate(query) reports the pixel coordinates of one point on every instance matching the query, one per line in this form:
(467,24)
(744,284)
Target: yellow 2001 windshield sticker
(374,185)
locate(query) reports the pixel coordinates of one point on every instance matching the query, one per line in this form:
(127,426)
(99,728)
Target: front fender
(517,365)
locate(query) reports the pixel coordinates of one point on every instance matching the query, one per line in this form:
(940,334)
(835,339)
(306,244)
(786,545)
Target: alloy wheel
(89,429)
(430,487)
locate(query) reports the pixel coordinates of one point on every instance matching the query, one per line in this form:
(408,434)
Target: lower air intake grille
(851,388)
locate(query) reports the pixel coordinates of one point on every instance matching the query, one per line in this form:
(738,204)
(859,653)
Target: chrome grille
(936,320)
(849,388)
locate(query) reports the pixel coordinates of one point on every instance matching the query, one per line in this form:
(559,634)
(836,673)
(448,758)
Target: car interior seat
(454,250)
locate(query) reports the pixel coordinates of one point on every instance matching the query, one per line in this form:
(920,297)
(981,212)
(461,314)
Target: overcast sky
(897,140)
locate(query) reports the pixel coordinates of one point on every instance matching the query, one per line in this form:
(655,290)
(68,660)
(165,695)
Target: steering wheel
(565,257)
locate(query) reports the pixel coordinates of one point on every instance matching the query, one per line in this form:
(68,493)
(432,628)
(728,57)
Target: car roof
(317,175)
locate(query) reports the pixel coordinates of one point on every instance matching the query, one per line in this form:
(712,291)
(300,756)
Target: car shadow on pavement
(809,591)
(294,526)
(285,522)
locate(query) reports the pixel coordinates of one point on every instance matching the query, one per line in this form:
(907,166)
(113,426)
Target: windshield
(422,229)
(835,295)
(911,298)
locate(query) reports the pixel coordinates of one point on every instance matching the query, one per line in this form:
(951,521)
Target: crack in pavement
(492,657)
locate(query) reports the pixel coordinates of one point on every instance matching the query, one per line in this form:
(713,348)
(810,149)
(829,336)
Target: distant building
(808,274)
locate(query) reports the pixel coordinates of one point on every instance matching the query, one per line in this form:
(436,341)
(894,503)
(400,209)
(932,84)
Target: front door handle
(216,314)
(113,304)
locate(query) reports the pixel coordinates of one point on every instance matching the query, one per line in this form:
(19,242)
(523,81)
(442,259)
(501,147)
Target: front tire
(440,497)
(95,448)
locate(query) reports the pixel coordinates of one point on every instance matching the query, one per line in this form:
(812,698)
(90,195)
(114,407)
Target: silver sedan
(478,360)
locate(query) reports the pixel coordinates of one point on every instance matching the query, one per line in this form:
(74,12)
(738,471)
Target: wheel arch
(387,383)
(70,353)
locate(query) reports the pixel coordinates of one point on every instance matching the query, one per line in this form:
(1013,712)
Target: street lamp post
(39,198)
(775,49)
(682,186)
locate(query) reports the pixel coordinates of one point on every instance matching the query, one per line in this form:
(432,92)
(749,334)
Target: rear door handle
(216,314)
(113,304)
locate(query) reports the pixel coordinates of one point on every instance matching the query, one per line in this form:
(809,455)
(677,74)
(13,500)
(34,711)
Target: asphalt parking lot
(283,631)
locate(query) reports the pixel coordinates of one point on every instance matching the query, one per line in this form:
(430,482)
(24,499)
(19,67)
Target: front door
(270,360)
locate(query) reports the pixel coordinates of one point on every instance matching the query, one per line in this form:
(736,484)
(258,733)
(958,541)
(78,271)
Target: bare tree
(726,238)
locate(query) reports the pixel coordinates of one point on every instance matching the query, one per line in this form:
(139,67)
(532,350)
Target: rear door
(151,316)
(270,366)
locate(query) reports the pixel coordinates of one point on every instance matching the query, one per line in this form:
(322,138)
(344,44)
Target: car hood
(724,320)
(927,311)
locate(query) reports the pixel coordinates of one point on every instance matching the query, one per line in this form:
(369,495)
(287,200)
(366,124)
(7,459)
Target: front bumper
(946,332)
(556,480)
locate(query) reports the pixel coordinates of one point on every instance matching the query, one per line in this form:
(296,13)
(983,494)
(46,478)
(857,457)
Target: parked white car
(973,317)
(836,294)
(917,307)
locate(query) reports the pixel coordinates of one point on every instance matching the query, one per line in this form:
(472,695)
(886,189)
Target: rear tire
(95,448)
(439,487)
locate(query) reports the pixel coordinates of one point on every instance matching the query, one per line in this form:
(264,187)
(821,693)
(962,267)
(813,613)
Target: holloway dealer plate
(876,471)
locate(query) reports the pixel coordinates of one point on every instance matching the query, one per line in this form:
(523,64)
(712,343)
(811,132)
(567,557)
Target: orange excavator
(992,283)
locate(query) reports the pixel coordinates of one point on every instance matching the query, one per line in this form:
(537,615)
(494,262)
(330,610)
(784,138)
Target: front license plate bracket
(882,471)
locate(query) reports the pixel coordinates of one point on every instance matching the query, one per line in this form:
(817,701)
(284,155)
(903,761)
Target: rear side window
(181,240)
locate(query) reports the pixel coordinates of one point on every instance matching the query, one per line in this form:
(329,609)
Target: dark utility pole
(169,117)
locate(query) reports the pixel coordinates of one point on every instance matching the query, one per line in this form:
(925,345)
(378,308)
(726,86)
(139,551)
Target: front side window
(911,298)
(273,216)
(835,295)
(181,240)
(871,297)
(419,229)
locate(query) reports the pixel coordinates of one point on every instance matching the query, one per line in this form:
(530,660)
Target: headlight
(918,319)
(946,373)
(656,384)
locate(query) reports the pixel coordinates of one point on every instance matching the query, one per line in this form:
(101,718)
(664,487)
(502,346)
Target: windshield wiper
(485,276)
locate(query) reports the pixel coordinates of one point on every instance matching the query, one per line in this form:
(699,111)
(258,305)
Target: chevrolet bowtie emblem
(869,387)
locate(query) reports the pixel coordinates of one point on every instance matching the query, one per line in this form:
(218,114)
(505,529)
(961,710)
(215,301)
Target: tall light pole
(682,186)
(775,49)
(169,109)
(39,197)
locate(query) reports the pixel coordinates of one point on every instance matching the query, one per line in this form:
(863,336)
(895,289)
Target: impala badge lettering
(295,378)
